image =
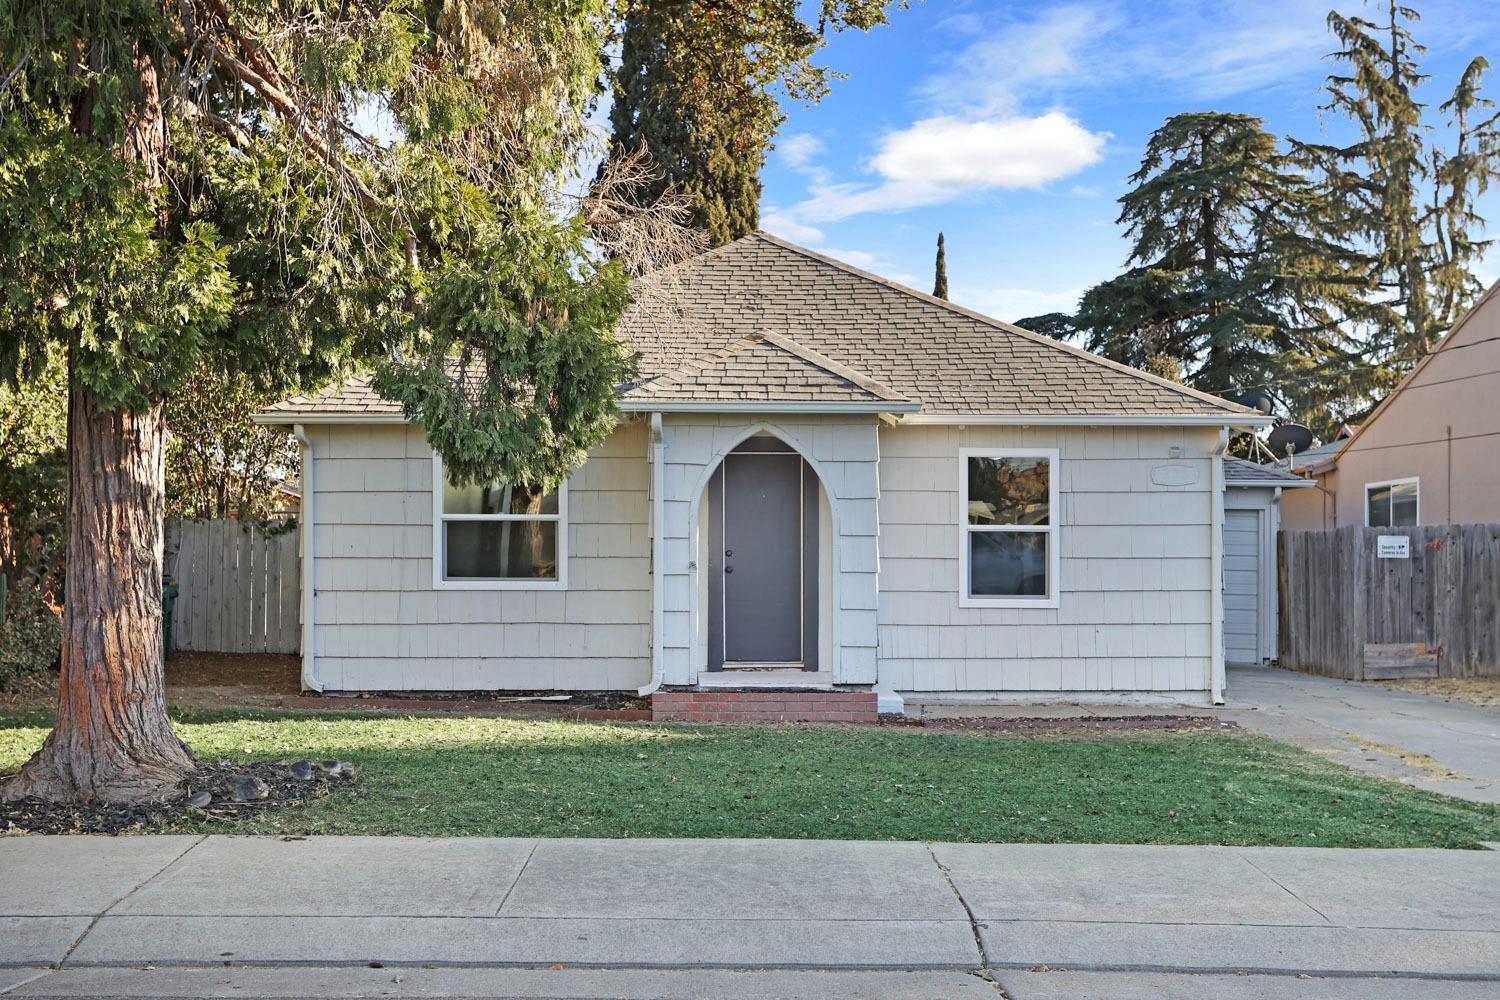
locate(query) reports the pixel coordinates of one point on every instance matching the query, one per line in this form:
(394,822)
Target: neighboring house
(1253,498)
(821,478)
(1426,455)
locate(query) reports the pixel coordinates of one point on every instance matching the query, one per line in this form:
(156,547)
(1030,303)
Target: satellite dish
(1289,437)
(1256,401)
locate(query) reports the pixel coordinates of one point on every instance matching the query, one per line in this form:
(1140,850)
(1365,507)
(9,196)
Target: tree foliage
(940,270)
(1405,201)
(698,89)
(33,471)
(1230,285)
(219,463)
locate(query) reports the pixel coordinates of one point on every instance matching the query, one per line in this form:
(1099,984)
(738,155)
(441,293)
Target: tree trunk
(113,741)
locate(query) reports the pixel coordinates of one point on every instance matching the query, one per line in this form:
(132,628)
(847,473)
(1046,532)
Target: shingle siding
(381,624)
(1135,588)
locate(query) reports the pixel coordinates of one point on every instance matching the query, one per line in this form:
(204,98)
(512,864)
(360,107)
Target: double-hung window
(1392,504)
(497,536)
(1008,511)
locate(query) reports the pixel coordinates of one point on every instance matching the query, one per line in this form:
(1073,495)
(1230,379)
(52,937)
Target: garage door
(1242,576)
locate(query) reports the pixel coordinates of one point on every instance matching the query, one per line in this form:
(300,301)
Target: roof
(764,367)
(1317,454)
(762,322)
(1241,472)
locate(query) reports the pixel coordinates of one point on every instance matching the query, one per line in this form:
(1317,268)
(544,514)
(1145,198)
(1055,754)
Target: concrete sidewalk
(84,916)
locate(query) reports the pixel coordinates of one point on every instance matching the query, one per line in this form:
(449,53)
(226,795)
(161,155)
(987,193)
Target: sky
(1011,127)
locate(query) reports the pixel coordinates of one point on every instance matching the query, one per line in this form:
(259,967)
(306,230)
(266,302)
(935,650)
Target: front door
(759,573)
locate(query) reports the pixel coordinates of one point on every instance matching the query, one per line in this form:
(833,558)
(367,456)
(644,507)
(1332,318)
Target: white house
(821,479)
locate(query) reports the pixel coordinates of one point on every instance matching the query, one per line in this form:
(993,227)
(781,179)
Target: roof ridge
(853,375)
(1037,338)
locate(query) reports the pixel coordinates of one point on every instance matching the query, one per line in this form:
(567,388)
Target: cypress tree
(696,92)
(940,283)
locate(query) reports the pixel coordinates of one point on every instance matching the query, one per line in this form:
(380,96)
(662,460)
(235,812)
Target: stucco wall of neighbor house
(1456,393)
(382,626)
(1309,508)
(844,451)
(1136,586)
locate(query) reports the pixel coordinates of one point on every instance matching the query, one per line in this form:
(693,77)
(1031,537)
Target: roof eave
(767,406)
(1093,419)
(1271,484)
(283,418)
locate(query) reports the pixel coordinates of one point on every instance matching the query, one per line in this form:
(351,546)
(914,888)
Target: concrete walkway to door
(1440,745)
(395,917)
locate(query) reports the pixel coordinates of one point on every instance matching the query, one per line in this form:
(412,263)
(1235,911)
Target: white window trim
(1414,480)
(1052,528)
(439,582)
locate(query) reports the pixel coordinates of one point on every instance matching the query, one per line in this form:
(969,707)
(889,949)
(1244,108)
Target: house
(1425,455)
(1253,497)
(821,479)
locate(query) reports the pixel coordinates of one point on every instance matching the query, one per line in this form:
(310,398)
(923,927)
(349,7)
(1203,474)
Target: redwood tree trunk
(113,741)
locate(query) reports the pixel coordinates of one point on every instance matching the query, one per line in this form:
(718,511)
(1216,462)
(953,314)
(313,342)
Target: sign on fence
(1393,547)
(239,587)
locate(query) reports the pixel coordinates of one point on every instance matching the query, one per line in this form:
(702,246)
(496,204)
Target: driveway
(1440,745)
(406,917)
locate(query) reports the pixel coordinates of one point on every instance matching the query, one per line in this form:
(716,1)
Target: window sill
(499,585)
(1035,603)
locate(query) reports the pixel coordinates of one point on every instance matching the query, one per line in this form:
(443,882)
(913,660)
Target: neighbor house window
(497,535)
(1008,549)
(1392,504)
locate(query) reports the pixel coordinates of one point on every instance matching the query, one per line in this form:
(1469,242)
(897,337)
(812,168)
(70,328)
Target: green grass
(448,776)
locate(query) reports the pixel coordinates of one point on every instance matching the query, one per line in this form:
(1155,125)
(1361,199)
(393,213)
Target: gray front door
(762,558)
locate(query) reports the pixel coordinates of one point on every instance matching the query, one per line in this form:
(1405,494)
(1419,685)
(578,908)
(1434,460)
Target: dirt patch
(231,680)
(1075,724)
(585,705)
(282,788)
(1482,691)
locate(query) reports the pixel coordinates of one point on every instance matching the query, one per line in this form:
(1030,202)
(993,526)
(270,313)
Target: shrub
(30,635)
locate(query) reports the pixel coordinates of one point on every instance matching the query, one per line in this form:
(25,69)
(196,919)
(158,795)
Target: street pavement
(406,917)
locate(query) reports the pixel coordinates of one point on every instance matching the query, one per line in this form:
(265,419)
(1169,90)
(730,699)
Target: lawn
(452,776)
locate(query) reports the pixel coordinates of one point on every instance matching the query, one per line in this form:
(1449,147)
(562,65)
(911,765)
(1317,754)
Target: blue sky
(1012,126)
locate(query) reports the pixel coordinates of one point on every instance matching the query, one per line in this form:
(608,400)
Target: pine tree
(940,282)
(1406,202)
(1229,286)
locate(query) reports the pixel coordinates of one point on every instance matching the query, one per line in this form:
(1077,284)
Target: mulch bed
(597,706)
(283,791)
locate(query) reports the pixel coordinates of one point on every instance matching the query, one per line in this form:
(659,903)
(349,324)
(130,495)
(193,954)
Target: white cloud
(1011,304)
(938,159)
(785,226)
(798,149)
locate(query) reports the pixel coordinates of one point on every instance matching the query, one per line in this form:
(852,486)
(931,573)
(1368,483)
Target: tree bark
(113,741)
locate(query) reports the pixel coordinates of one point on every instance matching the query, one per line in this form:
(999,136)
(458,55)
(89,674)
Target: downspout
(306,521)
(655,456)
(1216,571)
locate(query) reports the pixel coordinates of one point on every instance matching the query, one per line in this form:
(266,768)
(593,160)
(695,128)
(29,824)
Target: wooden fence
(1338,596)
(239,587)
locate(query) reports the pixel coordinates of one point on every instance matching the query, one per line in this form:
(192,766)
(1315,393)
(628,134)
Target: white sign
(1393,547)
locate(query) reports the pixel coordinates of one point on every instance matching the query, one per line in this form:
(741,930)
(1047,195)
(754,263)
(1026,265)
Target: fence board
(239,587)
(1336,597)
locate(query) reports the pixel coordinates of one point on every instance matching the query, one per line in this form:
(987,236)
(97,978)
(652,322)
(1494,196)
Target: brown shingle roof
(764,320)
(764,367)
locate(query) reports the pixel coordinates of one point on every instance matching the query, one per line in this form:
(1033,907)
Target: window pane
(500,550)
(1404,504)
(497,499)
(1378,500)
(1008,563)
(1008,491)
